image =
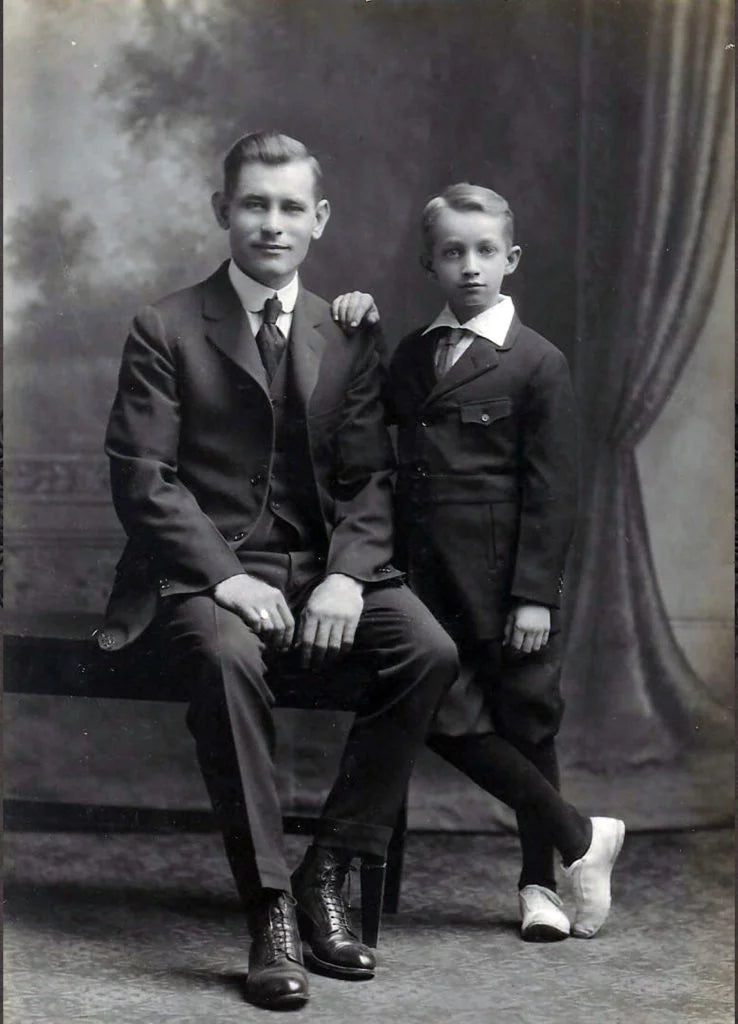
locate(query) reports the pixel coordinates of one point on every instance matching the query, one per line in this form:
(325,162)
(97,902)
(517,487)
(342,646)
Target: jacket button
(485,417)
(239,536)
(106,641)
(256,480)
(275,505)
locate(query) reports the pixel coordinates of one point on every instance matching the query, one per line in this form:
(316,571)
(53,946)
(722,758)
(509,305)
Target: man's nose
(272,222)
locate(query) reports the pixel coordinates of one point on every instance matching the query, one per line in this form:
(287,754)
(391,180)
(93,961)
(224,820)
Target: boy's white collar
(492,324)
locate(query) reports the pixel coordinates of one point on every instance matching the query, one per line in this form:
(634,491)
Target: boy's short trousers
(515,695)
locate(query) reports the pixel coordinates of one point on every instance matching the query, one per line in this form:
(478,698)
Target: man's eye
(294,208)
(252,204)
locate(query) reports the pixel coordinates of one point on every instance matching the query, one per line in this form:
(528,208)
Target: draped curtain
(633,695)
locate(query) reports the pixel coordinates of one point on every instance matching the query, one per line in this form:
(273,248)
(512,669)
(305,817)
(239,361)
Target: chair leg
(395,858)
(373,874)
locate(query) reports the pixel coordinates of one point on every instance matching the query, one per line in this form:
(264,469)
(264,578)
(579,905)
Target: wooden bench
(74,666)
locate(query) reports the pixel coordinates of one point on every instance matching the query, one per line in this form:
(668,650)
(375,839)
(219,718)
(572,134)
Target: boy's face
(470,258)
(271,218)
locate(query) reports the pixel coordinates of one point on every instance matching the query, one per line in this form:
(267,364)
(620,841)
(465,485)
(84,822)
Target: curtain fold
(635,697)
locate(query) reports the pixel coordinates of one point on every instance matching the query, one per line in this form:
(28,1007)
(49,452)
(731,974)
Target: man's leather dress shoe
(321,915)
(277,978)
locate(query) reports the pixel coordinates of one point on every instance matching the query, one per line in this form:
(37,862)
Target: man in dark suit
(251,469)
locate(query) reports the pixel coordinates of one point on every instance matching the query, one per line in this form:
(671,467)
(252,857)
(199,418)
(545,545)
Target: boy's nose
(469,267)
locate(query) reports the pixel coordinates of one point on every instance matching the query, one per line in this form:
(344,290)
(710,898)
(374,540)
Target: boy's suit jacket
(487,485)
(191,440)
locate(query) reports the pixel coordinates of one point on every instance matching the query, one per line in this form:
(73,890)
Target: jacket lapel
(227,326)
(481,356)
(306,345)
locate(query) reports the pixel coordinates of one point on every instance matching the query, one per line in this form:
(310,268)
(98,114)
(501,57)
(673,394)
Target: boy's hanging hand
(354,308)
(527,628)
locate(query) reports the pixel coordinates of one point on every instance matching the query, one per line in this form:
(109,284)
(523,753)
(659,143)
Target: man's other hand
(355,308)
(527,628)
(260,605)
(329,620)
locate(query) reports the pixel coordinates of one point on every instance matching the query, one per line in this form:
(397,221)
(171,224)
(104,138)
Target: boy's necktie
(447,349)
(270,340)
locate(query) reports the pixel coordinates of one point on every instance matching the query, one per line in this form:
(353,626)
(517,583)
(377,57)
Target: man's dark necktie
(270,340)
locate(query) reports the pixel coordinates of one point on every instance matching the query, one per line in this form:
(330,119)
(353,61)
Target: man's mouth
(270,247)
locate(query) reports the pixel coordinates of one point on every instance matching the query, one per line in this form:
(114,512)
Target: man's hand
(527,628)
(329,620)
(355,308)
(260,605)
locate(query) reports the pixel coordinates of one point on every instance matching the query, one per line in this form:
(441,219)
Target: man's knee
(431,644)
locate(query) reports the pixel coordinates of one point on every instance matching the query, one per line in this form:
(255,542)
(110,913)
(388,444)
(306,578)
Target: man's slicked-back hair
(272,149)
(464,196)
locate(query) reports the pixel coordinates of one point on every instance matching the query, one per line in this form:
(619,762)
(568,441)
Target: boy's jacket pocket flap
(487,412)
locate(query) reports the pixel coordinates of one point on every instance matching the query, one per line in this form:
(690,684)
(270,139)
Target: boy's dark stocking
(527,784)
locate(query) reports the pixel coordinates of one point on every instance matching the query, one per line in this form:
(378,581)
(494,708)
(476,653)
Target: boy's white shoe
(543,917)
(590,876)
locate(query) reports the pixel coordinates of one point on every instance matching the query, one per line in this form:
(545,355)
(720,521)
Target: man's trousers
(401,664)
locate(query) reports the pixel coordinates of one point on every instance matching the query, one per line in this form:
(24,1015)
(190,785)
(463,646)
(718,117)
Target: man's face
(471,256)
(271,218)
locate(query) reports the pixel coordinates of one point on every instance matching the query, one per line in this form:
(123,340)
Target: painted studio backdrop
(606,125)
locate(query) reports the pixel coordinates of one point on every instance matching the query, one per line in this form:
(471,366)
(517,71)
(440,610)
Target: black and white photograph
(368,511)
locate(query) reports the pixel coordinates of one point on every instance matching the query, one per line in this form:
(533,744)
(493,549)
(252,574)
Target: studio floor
(140,929)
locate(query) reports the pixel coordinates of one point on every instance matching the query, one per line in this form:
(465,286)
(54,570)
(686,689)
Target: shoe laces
(281,935)
(330,881)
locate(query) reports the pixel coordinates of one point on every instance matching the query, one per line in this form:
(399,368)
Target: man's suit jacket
(191,445)
(487,482)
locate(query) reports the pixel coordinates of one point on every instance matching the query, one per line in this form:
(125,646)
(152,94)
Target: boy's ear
(221,208)
(513,258)
(427,264)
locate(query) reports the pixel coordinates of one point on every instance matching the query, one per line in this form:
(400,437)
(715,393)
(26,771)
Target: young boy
(486,503)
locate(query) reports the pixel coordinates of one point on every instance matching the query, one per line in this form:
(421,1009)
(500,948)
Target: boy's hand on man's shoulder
(527,628)
(354,309)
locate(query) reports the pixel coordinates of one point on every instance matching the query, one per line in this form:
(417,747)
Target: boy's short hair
(270,148)
(464,196)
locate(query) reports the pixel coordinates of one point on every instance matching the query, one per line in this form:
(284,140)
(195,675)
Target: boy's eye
(487,250)
(452,252)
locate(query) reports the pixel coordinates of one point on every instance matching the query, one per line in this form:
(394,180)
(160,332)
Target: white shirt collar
(253,294)
(492,324)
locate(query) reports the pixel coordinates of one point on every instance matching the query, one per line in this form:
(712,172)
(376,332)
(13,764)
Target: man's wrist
(347,580)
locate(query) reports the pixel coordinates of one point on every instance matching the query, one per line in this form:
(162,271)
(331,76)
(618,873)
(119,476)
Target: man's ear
(322,213)
(221,208)
(427,264)
(513,258)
